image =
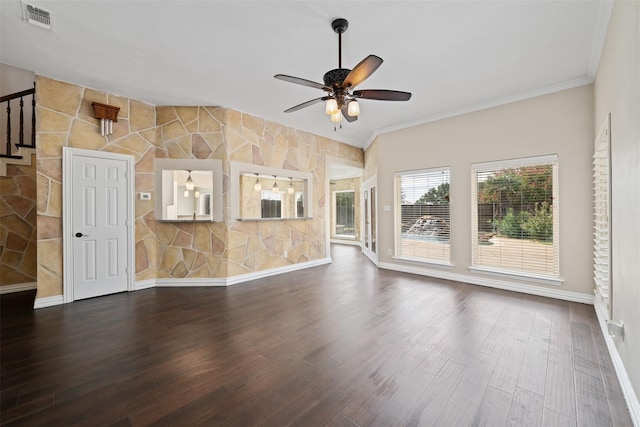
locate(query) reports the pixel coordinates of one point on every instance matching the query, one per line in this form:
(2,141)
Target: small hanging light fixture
(275,189)
(186,193)
(291,190)
(196,194)
(189,185)
(257,186)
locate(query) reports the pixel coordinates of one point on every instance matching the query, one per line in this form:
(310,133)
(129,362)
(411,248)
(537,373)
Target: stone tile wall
(65,118)
(180,250)
(18,239)
(371,161)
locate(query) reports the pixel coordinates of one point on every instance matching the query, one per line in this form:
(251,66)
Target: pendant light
(189,184)
(257,186)
(291,190)
(275,189)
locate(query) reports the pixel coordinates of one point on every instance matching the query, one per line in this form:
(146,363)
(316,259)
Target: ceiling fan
(340,82)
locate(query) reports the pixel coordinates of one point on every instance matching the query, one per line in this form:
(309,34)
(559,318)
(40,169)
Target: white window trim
(398,215)
(335,214)
(520,275)
(514,163)
(433,263)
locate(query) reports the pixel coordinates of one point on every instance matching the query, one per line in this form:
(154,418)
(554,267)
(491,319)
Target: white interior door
(97,235)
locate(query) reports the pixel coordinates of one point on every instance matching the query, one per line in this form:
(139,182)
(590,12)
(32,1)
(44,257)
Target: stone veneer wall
(65,118)
(347,184)
(179,250)
(18,238)
(371,160)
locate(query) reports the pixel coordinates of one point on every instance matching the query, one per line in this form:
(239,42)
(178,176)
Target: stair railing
(21,143)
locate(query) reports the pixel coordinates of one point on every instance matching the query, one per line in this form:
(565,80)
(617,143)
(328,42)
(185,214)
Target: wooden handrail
(17,95)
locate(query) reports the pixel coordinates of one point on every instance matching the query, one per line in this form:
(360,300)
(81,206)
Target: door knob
(80,235)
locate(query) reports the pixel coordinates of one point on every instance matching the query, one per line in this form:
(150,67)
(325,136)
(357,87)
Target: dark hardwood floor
(341,345)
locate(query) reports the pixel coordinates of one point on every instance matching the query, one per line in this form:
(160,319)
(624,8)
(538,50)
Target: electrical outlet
(286,253)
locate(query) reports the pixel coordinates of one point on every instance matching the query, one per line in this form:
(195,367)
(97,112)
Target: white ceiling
(454,56)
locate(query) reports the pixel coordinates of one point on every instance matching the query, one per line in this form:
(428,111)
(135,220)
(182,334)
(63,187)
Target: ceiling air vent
(37,16)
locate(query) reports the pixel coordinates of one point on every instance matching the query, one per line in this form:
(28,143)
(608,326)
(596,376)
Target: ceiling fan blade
(300,81)
(345,114)
(360,72)
(305,104)
(382,95)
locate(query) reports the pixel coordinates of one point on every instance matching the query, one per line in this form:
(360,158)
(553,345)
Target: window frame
(545,160)
(335,214)
(397,189)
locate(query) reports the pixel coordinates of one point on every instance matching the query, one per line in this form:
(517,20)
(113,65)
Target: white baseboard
(48,301)
(346,242)
(233,280)
(228,281)
(18,287)
(629,394)
(144,284)
(493,283)
(188,282)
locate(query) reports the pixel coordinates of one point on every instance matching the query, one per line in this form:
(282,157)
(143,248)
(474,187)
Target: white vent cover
(37,16)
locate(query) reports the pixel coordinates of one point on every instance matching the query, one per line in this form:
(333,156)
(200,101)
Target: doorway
(343,209)
(97,223)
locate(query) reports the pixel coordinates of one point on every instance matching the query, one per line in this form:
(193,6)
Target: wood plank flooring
(338,345)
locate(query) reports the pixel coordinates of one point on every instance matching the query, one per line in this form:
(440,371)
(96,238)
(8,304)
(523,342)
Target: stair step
(24,146)
(10,156)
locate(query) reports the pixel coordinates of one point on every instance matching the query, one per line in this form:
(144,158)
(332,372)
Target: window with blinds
(344,205)
(515,216)
(422,216)
(601,225)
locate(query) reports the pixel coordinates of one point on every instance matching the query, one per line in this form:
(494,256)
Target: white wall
(560,123)
(617,91)
(14,80)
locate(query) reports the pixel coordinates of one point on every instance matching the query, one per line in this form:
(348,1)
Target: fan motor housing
(335,77)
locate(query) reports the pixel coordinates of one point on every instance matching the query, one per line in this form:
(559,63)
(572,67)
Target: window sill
(431,263)
(530,277)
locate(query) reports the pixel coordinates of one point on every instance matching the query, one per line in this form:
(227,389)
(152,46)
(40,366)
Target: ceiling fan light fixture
(353,109)
(336,117)
(331,107)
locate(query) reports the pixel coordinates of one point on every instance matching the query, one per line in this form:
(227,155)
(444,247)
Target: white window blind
(515,216)
(601,215)
(422,219)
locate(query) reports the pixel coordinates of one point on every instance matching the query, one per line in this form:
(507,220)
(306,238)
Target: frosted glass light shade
(186,193)
(331,107)
(353,109)
(257,186)
(336,117)
(189,184)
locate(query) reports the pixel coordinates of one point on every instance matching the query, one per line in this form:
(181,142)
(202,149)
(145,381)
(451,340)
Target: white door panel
(98,228)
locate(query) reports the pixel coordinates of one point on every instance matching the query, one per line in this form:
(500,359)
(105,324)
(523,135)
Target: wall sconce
(107,115)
